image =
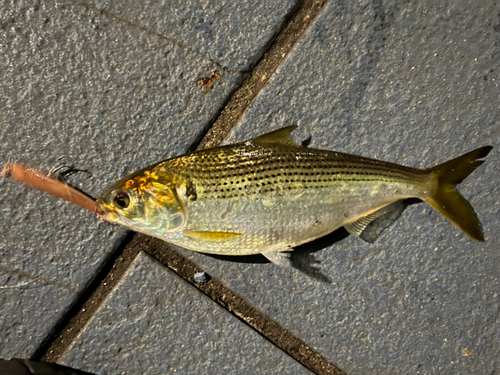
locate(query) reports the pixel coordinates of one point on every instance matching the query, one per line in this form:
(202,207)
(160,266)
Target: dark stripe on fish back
(247,169)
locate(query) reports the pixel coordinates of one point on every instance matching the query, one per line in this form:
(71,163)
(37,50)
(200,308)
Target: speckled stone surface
(232,33)
(155,323)
(416,84)
(110,96)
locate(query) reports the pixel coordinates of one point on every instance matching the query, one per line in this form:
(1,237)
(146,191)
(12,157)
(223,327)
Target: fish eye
(121,199)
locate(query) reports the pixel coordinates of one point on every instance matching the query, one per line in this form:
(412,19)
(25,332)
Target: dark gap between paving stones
(236,305)
(87,303)
(186,269)
(257,78)
(110,274)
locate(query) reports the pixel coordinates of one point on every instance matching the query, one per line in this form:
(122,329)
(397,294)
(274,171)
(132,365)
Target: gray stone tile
(415,84)
(156,323)
(231,33)
(27,304)
(109,96)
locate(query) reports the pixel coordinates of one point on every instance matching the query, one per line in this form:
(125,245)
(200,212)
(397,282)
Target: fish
(268,195)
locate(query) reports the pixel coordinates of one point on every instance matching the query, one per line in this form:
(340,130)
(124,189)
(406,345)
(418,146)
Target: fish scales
(250,169)
(279,197)
(269,195)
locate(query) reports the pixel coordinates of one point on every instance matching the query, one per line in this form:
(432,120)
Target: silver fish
(268,195)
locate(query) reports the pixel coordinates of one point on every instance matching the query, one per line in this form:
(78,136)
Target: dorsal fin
(281,136)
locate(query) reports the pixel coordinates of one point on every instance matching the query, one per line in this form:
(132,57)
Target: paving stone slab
(232,33)
(415,84)
(110,98)
(154,322)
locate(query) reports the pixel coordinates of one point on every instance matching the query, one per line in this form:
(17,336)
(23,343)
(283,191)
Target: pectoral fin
(211,236)
(370,227)
(279,258)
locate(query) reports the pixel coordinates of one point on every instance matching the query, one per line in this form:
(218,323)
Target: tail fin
(448,201)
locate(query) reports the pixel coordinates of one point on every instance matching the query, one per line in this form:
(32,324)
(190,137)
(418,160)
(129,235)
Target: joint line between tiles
(238,102)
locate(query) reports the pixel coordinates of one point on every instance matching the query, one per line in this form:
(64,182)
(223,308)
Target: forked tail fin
(448,201)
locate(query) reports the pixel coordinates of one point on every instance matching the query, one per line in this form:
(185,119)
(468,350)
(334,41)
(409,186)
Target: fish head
(143,203)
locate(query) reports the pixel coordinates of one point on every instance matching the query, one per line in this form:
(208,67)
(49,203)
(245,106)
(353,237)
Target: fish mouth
(108,213)
(103,210)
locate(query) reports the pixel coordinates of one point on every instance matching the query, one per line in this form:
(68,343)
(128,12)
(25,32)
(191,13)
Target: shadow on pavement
(18,366)
(302,257)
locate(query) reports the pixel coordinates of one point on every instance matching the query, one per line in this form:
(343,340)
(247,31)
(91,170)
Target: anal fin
(279,258)
(370,227)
